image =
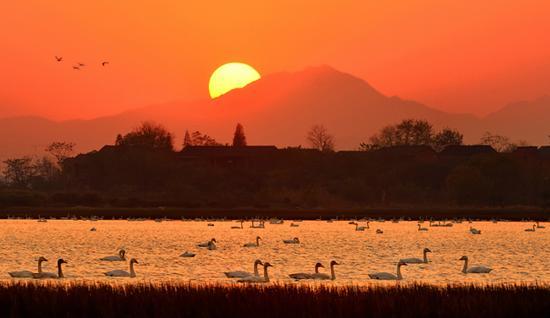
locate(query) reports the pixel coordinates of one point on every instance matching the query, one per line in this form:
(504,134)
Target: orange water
(515,255)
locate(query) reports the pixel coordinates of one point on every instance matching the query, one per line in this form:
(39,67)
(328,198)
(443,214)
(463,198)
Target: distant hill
(279,109)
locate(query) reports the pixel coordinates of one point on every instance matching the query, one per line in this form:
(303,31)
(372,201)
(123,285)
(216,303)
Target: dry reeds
(27,299)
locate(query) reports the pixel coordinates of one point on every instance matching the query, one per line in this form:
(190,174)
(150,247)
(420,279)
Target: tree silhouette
(18,172)
(149,135)
(239,139)
(187,141)
(408,132)
(498,142)
(61,150)
(320,139)
(447,137)
(199,139)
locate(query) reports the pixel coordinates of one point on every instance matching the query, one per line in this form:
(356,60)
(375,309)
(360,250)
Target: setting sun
(230,76)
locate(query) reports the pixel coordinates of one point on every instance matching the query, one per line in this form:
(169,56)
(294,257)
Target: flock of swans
(255,276)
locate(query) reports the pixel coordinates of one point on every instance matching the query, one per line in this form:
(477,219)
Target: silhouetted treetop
(319,138)
(412,132)
(61,150)
(239,138)
(148,135)
(187,141)
(447,137)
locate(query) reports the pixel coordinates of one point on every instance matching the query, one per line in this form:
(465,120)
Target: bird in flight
(104,63)
(81,64)
(76,67)
(59,58)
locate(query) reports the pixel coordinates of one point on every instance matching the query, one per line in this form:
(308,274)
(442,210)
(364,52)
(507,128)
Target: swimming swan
(299,276)
(359,228)
(324,276)
(122,273)
(209,244)
(28,274)
(257,279)
(187,254)
(422,229)
(243,274)
(389,276)
(474,230)
(414,260)
(238,227)
(257,244)
(293,241)
(474,269)
(51,275)
(379,231)
(540,226)
(532,229)
(115,258)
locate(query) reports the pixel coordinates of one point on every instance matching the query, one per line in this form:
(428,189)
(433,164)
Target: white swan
(474,230)
(238,227)
(257,279)
(51,275)
(257,244)
(299,276)
(115,258)
(422,229)
(474,269)
(532,229)
(122,273)
(359,228)
(28,274)
(389,276)
(293,241)
(211,246)
(187,254)
(323,276)
(207,243)
(259,226)
(414,260)
(243,274)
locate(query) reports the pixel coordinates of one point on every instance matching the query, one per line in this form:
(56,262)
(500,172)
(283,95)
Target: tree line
(143,169)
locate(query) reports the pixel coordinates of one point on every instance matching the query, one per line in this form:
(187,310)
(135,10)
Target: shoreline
(387,213)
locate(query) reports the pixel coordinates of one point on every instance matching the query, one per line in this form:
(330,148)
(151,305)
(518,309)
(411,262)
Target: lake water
(514,255)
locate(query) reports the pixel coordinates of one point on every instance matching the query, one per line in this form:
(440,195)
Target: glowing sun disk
(230,76)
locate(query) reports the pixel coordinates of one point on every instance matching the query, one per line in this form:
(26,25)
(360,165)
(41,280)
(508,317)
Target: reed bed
(29,299)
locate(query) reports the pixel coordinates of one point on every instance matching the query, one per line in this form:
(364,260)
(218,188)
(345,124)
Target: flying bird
(81,64)
(104,63)
(76,67)
(59,58)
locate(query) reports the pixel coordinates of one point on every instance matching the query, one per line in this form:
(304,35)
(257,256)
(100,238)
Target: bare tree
(319,138)
(498,142)
(19,172)
(60,150)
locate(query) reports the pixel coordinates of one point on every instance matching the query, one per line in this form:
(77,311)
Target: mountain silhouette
(279,109)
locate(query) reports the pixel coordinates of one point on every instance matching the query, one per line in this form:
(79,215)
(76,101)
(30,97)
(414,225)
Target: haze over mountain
(279,109)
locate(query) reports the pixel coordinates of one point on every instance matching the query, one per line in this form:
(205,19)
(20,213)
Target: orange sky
(464,56)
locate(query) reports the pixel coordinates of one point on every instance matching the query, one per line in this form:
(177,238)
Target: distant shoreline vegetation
(405,166)
(188,300)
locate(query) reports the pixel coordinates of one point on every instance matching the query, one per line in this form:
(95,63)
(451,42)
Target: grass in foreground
(185,300)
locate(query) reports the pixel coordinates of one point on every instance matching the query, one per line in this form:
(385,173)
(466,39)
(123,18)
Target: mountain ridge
(279,109)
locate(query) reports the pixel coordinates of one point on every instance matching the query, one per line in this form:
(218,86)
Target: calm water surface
(514,255)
